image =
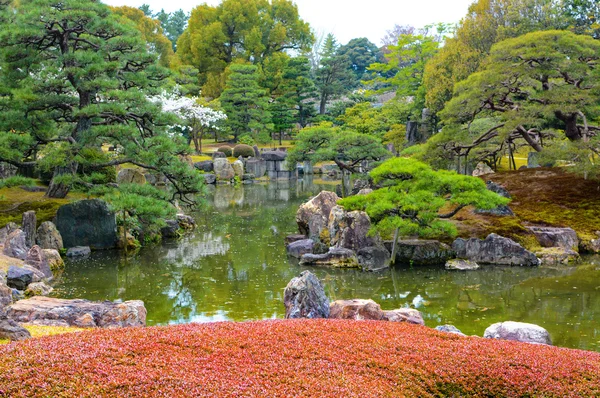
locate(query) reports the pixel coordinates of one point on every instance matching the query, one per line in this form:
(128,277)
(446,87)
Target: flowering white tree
(197,119)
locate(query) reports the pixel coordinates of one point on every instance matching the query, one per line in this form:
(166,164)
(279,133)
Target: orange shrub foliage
(319,358)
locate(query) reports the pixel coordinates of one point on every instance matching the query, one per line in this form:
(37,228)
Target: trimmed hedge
(308,358)
(226,150)
(245,151)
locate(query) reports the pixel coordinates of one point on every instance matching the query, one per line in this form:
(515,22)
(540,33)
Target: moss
(41,331)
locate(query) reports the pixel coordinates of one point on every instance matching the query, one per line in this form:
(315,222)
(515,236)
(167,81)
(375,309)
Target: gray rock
(359,309)
(87,223)
(18,278)
(81,313)
(38,275)
(557,256)
(5,296)
(482,169)
(274,155)
(248,177)
(55,261)
(335,257)
(130,176)
(15,245)
(502,210)
(565,238)
(210,179)
(171,230)
(421,252)
(533,160)
(29,223)
(37,259)
(461,265)
(518,331)
(48,237)
(497,188)
(238,168)
(6,230)
(38,289)
(218,155)
(223,169)
(313,216)
(449,329)
(12,331)
(185,221)
(7,170)
(206,166)
(494,249)
(294,238)
(350,229)
(79,251)
(373,258)
(255,166)
(304,297)
(299,248)
(256,151)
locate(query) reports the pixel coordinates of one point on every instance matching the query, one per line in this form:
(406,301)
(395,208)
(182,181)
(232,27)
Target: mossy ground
(41,331)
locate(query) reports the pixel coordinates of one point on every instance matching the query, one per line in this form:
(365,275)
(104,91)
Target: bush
(226,150)
(245,151)
(247,140)
(16,181)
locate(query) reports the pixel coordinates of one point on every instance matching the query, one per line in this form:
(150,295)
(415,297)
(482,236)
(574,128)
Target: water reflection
(234,267)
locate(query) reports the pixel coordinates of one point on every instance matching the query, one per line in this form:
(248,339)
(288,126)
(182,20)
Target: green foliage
(226,150)
(245,151)
(246,139)
(16,181)
(361,54)
(413,195)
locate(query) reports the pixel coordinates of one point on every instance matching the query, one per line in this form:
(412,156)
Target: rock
(361,184)
(349,229)
(364,192)
(293,238)
(18,278)
(533,160)
(219,155)
(126,241)
(5,296)
(256,166)
(299,248)
(8,228)
(79,251)
(55,261)
(29,223)
(335,257)
(502,210)
(461,265)
(87,223)
(38,275)
(313,216)
(421,252)
(238,168)
(304,297)
(37,259)
(15,245)
(482,169)
(186,222)
(449,329)
(12,331)
(518,331)
(358,309)
(565,238)
(206,166)
(210,179)
(496,188)
(256,151)
(557,256)
(130,176)
(373,258)
(274,155)
(38,289)
(223,169)
(171,230)
(80,313)
(494,249)
(248,177)
(48,236)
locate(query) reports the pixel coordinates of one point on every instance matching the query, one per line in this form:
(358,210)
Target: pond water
(234,267)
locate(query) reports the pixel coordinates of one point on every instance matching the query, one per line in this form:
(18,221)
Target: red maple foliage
(319,358)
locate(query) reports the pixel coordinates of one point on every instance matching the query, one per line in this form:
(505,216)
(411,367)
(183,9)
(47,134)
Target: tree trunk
(570,121)
(323,104)
(59,190)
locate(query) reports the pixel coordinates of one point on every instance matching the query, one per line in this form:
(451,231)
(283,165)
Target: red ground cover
(332,358)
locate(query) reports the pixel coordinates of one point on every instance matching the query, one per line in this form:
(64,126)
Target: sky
(347,19)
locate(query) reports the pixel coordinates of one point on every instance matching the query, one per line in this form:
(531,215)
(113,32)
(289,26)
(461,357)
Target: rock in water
(373,258)
(335,257)
(299,248)
(15,245)
(18,278)
(79,251)
(37,259)
(565,238)
(38,289)
(131,176)
(358,309)
(304,297)
(80,313)
(238,168)
(12,331)
(206,166)
(421,252)
(87,223)
(313,216)
(461,265)
(518,331)
(494,249)
(350,229)
(258,167)
(29,223)
(48,236)
(210,179)
(223,169)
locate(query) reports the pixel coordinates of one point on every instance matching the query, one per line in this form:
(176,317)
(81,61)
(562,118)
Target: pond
(234,267)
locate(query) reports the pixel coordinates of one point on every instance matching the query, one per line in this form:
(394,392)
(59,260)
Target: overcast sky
(347,19)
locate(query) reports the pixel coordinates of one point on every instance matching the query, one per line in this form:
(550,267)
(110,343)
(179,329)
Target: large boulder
(15,245)
(304,297)
(518,331)
(29,222)
(12,331)
(80,313)
(494,249)
(210,179)
(87,223)
(373,258)
(350,229)
(482,169)
(421,252)
(335,257)
(274,156)
(79,252)
(38,289)
(299,248)
(206,166)
(55,261)
(313,216)
(565,238)
(294,238)
(18,278)
(223,169)
(556,256)
(238,168)
(7,230)
(255,166)
(358,309)
(131,176)
(37,259)
(171,229)
(48,236)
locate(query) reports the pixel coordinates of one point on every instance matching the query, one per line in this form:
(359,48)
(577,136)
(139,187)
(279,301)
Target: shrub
(245,151)
(16,181)
(247,140)
(226,150)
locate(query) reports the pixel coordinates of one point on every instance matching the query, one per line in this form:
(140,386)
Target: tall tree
(246,104)
(76,77)
(361,53)
(298,90)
